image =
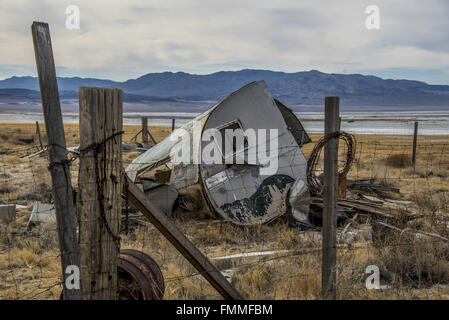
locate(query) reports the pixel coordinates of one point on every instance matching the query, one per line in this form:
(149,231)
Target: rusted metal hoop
(149,267)
(314,183)
(148,279)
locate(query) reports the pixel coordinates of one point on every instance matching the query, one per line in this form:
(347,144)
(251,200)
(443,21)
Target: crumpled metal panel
(299,200)
(236,192)
(262,206)
(162,149)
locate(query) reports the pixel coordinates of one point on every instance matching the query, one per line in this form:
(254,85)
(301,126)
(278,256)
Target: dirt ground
(413,267)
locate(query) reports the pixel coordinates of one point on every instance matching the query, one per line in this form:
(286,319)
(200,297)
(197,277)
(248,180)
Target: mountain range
(305,88)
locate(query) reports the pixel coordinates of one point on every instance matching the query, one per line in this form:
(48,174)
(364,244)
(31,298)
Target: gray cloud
(124,39)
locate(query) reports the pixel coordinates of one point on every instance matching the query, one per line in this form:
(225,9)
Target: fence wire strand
(277,260)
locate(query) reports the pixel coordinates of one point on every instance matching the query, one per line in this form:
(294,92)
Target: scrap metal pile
(356,198)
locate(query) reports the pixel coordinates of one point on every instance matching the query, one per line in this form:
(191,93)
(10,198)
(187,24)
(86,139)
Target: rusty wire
(313,181)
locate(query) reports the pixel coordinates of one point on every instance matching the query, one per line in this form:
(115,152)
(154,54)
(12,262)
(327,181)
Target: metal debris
(8,212)
(300,201)
(42,212)
(236,192)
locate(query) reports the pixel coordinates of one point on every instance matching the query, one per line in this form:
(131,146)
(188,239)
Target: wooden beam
(181,243)
(151,137)
(329,234)
(38,132)
(59,168)
(100,187)
(134,137)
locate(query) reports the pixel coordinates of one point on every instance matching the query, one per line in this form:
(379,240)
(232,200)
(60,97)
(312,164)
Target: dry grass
(398,161)
(30,267)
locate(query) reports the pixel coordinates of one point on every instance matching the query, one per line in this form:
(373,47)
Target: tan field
(414,267)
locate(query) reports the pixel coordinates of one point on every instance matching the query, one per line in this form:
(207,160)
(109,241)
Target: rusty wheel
(139,277)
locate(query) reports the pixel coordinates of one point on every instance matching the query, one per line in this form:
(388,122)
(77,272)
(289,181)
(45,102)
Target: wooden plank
(331,124)
(134,137)
(38,132)
(180,242)
(101,111)
(59,168)
(366,207)
(151,137)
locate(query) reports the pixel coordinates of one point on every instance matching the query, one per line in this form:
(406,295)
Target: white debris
(252,254)
(42,212)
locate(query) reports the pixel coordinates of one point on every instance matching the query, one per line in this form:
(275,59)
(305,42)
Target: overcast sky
(125,39)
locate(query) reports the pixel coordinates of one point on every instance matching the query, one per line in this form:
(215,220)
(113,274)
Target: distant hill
(300,88)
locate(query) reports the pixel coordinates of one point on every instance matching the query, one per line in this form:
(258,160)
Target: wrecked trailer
(236,161)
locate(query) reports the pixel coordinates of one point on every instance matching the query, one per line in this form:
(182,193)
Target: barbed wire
(277,260)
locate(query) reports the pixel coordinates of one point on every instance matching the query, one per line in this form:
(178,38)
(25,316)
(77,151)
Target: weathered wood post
(331,124)
(145,130)
(172,124)
(59,167)
(100,186)
(415,140)
(38,133)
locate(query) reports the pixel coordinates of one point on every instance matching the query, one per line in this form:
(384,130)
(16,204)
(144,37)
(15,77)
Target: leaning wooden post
(59,166)
(100,186)
(331,124)
(172,124)
(145,130)
(171,232)
(38,132)
(415,139)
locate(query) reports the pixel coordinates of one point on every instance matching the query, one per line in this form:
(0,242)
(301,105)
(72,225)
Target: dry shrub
(293,277)
(7,188)
(398,161)
(407,259)
(21,258)
(256,282)
(42,192)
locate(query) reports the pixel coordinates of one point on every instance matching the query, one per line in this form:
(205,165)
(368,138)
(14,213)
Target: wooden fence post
(100,186)
(59,167)
(172,124)
(145,130)
(38,132)
(415,140)
(331,124)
